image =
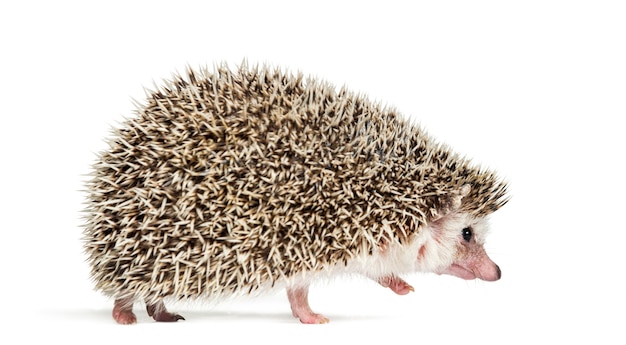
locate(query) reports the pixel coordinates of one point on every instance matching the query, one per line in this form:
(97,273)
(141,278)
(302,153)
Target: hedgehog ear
(451,202)
(457,200)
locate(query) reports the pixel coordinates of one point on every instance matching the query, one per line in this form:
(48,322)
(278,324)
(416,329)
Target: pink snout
(480,267)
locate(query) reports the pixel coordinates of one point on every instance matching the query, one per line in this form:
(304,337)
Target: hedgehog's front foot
(159,313)
(299,300)
(396,284)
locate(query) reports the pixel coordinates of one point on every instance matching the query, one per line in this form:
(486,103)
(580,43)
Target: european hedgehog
(228,183)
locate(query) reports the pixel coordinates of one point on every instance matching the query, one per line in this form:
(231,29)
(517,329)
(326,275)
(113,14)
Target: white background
(533,89)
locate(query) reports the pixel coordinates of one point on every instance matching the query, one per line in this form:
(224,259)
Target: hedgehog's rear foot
(159,313)
(123,311)
(299,300)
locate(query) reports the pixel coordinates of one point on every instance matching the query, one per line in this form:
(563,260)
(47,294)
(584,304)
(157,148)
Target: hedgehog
(239,181)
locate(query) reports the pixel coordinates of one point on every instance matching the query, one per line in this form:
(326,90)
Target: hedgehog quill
(238,182)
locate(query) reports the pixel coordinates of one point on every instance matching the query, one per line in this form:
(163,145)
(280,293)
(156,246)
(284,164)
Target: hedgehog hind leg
(159,313)
(123,311)
(299,301)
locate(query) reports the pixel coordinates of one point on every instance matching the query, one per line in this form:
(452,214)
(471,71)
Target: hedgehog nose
(498,271)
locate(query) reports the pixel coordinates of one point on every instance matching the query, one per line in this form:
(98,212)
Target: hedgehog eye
(467,234)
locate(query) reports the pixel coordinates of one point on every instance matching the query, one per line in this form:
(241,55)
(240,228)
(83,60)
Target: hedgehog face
(454,245)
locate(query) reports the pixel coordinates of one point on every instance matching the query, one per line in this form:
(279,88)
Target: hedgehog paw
(125,317)
(299,300)
(123,312)
(312,318)
(160,314)
(396,284)
(167,317)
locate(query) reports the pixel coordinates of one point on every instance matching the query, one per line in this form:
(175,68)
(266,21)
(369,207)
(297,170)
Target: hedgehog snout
(487,270)
(475,266)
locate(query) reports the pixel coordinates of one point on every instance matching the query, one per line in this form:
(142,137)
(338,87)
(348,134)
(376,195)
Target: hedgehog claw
(159,313)
(167,317)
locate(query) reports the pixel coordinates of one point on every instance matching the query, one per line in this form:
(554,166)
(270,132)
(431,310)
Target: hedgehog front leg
(123,311)
(299,300)
(392,281)
(159,313)
(396,284)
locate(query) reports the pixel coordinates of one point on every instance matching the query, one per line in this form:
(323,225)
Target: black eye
(467,234)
